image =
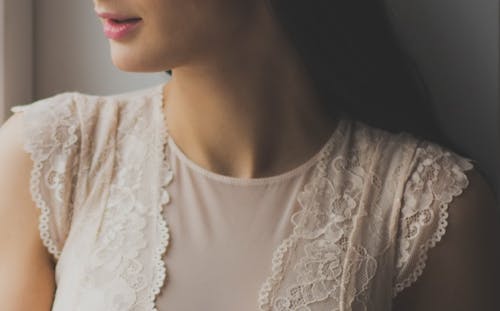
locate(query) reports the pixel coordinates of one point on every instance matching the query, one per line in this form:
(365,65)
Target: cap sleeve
(436,176)
(51,135)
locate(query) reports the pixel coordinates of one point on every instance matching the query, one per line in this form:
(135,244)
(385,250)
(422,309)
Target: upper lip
(115,16)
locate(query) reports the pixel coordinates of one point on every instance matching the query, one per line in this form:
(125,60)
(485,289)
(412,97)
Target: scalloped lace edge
(36,194)
(433,240)
(277,271)
(43,219)
(160,267)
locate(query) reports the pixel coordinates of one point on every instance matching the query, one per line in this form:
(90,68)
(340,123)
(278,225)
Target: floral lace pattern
(126,270)
(373,207)
(437,178)
(326,257)
(53,152)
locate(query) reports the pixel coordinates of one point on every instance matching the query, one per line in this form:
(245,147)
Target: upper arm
(26,267)
(462,270)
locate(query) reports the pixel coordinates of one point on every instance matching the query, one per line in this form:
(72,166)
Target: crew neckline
(281,177)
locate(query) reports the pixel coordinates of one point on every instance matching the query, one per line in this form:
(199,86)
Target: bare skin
(240,102)
(246,116)
(27,280)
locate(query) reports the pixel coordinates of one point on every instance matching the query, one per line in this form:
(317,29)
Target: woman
(248,181)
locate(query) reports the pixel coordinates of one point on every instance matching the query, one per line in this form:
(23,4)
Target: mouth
(117,26)
(118,18)
(125,21)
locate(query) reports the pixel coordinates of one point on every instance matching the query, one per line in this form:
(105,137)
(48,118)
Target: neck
(249,111)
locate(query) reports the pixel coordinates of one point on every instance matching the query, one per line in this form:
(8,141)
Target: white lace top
(136,225)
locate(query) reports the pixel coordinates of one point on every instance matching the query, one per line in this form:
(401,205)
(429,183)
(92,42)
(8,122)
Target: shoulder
(391,156)
(448,224)
(403,149)
(45,137)
(18,213)
(49,124)
(380,143)
(77,101)
(448,231)
(61,101)
(82,112)
(14,161)
(22,254)
(461,272)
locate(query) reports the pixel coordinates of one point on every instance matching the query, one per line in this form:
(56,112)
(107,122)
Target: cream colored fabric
(136,225)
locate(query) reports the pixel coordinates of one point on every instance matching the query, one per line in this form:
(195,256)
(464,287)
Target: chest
(329,250)
(141,241)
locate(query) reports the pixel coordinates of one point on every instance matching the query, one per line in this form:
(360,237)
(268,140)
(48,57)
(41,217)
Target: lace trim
(39,156)
(167,175)
(43,220)
(122,272)
(277,270)
(456,190)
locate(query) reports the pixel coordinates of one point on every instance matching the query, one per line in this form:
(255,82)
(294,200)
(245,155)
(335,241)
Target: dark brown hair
(359,66)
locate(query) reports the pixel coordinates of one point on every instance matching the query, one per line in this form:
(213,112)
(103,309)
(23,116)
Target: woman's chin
(133,64)
(130,67)
(136,58)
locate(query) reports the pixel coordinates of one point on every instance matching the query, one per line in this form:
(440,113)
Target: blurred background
(53,46)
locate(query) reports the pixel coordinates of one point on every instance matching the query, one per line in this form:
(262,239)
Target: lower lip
(116,31)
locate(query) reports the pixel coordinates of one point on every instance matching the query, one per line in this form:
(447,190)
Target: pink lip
(118,26)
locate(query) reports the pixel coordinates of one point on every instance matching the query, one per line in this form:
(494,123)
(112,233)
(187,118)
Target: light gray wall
(72,53)
(16,54)
(456,43)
